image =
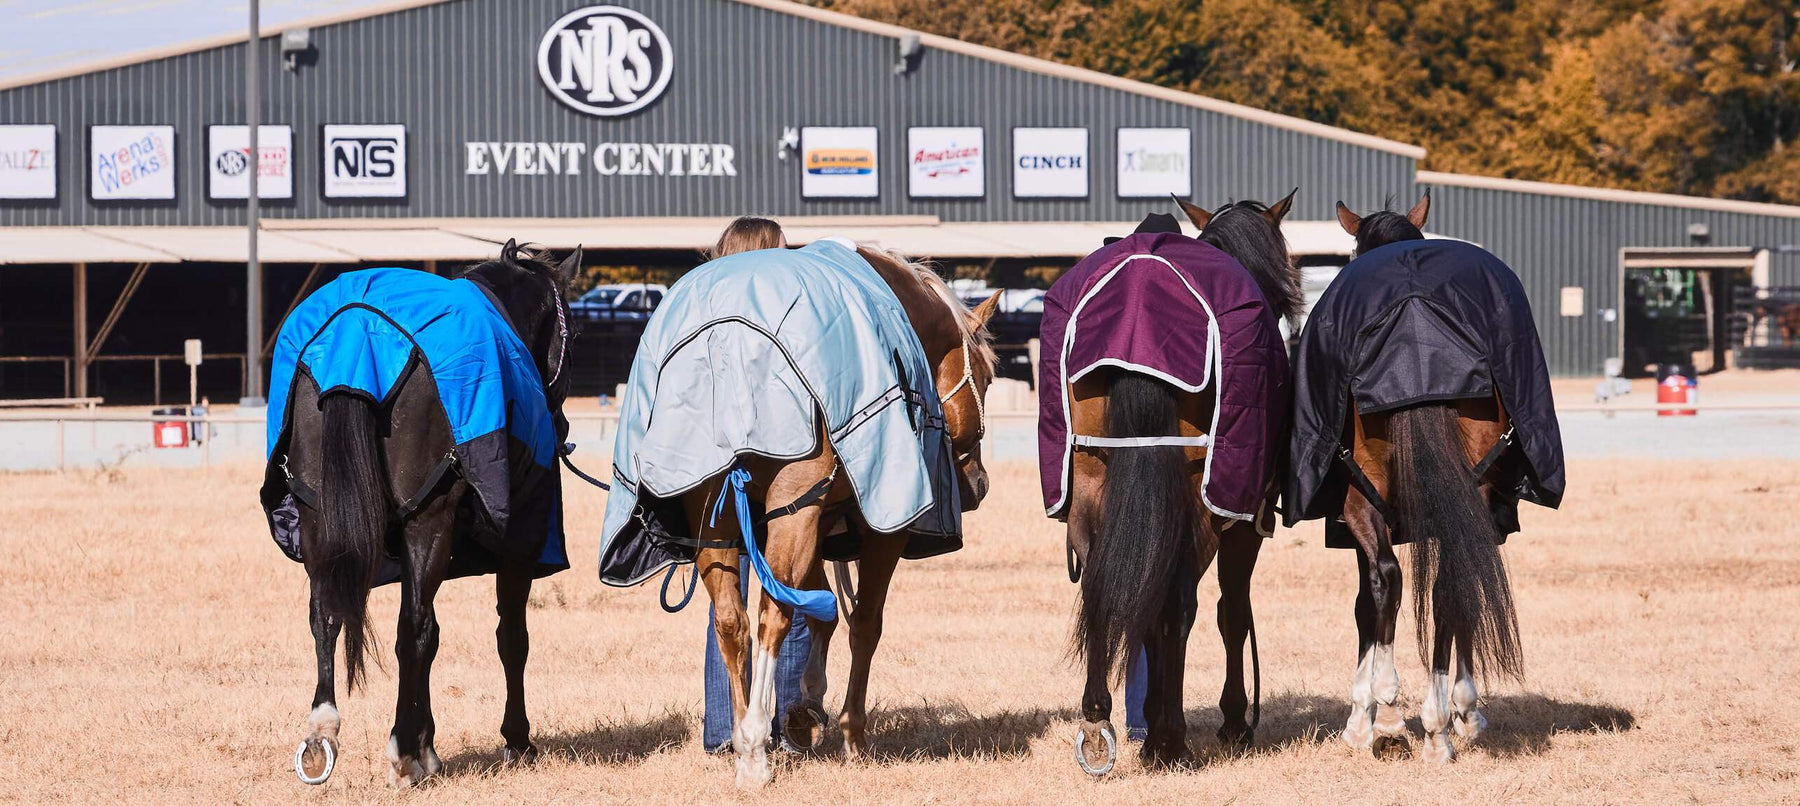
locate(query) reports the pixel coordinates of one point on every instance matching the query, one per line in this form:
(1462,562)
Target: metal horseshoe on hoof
(1112,752)
(300,761)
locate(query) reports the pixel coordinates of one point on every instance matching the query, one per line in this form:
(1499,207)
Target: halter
(968,382)
(562,335)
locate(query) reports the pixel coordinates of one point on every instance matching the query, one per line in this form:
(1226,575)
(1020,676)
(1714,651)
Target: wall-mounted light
(789,144)
(907,53)
(296,44)
(1699,232)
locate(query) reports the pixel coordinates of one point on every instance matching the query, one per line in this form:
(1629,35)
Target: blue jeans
(790,664)
(1137,679)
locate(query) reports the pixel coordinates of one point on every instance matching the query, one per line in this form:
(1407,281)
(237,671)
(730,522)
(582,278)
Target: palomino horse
(1159,432)
(812,464)
(1441,474)
(377,471)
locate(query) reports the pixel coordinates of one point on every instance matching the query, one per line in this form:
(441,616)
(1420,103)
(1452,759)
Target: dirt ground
(156,650)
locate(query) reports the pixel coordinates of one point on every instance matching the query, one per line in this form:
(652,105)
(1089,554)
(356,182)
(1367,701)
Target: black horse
(389,493)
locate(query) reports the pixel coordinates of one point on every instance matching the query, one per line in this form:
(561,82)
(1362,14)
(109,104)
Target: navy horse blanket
(1183,312)
(380,331)
(1415,322)
(743,356)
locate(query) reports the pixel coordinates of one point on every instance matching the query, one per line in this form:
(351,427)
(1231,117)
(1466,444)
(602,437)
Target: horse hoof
(1438,749)
(314,760)
(1108,755)
(511,757)
(1236,738)
(804,729)
(1470,726)
(1359,733)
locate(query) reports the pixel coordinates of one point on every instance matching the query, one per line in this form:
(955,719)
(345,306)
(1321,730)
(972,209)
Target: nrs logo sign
(605,60)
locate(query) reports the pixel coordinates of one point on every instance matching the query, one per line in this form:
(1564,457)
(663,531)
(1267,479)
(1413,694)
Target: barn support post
(118,309)
(81,339)
(253,327)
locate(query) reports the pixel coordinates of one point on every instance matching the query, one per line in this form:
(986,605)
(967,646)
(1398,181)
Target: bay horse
(1141,527)
(956,345)
(1411,481)
(366,458)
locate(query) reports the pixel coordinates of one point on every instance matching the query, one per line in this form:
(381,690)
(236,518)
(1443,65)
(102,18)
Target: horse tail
(1145,538)
(354,498)
(1459,577)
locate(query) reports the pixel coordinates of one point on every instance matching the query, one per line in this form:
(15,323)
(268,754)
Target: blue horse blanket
(740,358)
(373,333)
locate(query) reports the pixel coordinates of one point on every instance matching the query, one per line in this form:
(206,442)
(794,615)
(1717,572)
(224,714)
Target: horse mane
(1384,227)
(1261,248)
(984,360)
(530,258)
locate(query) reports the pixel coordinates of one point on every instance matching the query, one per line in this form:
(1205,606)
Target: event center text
(606,159)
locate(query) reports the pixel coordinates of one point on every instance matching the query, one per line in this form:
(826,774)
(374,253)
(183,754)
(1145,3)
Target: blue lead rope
(817,605)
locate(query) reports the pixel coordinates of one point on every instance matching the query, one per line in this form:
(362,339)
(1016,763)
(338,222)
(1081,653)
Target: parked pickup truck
(621,302)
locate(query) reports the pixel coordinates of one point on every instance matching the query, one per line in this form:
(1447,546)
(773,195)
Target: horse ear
(1418,212)
(569,267)
(1200,217)
(1351,222)
(1279,210)
(986,309)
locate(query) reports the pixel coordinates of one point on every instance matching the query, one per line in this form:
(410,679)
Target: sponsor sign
(605,60)
(1050,163)
(1155,162)
(27,162)
(839,162)
(365,161)
(131,162)
(485,158)
(945,162)
(228,162)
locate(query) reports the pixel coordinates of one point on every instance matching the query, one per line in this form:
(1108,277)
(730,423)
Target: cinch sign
(131,162)
(945,162)
(1050,163)
(605,60)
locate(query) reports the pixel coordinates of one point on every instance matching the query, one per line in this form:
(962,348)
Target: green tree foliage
(1679,96)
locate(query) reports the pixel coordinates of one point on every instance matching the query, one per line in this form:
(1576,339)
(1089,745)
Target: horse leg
(1237,562)
(880,554)
(1435,712)
(321,745)
(424,564)
(512,588)
(1167,744)
(1359,731)
(805,720)
(1465,716)
(1375,693)
(793,553)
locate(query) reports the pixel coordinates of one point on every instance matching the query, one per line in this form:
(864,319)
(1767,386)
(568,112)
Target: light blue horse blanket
(740,357)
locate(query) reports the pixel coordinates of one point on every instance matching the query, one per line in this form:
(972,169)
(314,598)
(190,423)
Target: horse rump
(1143,545)
(343,557)
(1459,577)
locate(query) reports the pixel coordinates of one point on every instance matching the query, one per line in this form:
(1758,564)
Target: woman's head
(749,233)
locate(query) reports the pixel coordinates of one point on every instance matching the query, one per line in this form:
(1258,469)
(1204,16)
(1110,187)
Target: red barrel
(1675,386)
(169,433)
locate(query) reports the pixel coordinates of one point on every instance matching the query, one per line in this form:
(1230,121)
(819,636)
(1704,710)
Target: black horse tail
(355,503)
(1459,578)
(1145,541)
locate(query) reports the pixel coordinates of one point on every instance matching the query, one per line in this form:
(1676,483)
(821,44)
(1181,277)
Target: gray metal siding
(1557,241)
(466,71)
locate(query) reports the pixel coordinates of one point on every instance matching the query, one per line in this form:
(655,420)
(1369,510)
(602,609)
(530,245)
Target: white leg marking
(1464,715)
(751,737)
(403,772)
(325,721)
(1385,685)
(1435,715)
(1359,731)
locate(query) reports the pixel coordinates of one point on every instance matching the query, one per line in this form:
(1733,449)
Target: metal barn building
(424,132)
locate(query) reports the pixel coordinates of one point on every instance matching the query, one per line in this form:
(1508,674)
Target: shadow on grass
(951,731)
(1525,724)
(615,744)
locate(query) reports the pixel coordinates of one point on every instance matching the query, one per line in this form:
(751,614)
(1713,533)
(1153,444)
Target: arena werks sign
(605,60)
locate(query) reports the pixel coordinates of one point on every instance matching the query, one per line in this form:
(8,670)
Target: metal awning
(365,241)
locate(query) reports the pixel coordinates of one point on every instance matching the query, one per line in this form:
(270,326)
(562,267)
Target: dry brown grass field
(155,649)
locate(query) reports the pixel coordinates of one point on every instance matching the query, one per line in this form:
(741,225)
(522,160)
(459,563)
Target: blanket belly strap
(310,497)
(1142,442)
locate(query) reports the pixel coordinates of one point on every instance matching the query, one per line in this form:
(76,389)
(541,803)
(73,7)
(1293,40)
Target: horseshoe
(300,761)
(1112,752)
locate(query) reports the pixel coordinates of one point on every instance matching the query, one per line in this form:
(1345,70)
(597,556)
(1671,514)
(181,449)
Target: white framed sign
(27,162)
(364,161)
(839,162)
(131,162)
(945,162)
(228,162)
(605,60)
(1155,162)
(1050,163)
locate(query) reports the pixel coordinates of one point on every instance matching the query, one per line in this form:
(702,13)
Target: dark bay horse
(1417,486)
(956,345)
(1142,530)
(388,491)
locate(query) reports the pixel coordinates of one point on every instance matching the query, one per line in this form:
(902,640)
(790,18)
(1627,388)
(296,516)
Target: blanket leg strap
(418,499)
(1493,454)
(1366,487)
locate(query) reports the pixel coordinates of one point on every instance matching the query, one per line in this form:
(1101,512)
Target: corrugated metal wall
(466,71)
(1557,241)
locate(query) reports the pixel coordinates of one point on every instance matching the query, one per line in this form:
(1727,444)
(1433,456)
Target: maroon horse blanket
(1183,312)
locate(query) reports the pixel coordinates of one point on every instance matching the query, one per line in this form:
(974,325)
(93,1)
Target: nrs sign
(605,60)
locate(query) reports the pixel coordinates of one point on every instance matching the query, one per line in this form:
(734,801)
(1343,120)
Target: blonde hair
(746,234)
